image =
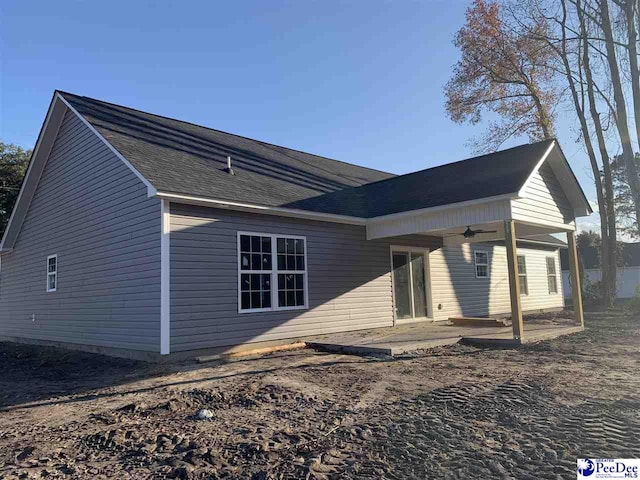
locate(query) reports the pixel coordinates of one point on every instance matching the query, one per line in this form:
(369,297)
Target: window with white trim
(481,259)
(52,273)
(522,275)
(552,278)
(272,272)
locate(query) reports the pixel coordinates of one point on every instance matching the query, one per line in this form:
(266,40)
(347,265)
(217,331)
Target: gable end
(46,138)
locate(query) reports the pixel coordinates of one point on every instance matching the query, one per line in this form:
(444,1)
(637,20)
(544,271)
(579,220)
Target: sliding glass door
(409,284)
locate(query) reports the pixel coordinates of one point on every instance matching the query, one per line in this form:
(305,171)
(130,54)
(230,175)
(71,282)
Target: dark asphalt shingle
(180,157)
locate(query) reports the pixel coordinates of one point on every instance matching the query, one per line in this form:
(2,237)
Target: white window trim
(525,274)
(274,273)
(476,264)
(55,274)
(554,275)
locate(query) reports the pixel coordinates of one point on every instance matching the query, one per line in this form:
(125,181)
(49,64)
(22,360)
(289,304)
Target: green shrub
(592,293)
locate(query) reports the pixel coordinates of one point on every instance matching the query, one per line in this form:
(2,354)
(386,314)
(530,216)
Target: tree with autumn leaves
(501,71)
(523,61)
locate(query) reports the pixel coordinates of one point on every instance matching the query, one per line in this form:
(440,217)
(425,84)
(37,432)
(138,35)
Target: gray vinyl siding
(457,292)
(93,212)
(348,278)
(544,200)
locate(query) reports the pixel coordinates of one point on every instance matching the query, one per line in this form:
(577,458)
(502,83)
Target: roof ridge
(226,133)
(477,157)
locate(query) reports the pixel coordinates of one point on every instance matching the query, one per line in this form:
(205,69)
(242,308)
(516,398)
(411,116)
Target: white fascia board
(151,190)
(535,170)
(245,207)
(35,155)
(439,208)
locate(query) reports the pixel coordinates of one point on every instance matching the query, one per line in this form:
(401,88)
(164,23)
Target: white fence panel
(628,280)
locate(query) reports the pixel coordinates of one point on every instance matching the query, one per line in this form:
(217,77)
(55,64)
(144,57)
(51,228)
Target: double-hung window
(481,259)
(272,272)
(522,275)
(552,278)
(52,273)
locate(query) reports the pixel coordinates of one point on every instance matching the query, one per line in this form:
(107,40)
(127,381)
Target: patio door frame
(427,284)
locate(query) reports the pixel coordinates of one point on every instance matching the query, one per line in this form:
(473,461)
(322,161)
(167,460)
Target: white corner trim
(246,207)
(535,170)
(165,279)
(151,190)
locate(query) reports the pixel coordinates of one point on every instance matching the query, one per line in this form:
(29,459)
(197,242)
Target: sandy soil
(454,412)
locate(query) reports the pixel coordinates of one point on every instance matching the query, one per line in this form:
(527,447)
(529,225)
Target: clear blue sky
(361,80)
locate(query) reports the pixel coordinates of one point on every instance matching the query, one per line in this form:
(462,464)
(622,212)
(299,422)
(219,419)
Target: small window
(522,275)
(273,272)
(482,263)
(552,278)
(52,273)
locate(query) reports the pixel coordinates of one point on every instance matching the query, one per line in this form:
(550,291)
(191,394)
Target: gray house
(137,234)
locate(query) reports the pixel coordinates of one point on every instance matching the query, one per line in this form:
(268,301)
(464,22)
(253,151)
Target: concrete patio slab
(423,336)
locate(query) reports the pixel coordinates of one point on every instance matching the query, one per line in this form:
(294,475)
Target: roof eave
(262,209)
(447,206)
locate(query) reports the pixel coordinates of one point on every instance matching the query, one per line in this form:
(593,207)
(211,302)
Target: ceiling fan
(468,233)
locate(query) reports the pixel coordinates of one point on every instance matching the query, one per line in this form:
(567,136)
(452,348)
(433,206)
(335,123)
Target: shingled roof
(180,157)
(183,158)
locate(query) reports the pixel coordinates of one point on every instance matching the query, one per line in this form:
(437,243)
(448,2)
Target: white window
(272,272)
(482,263)
(552,278)
(52,273)
(522,275)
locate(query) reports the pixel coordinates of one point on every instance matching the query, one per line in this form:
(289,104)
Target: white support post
(165,290)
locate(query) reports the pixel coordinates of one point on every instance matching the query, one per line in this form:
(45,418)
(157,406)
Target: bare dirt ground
(454,412)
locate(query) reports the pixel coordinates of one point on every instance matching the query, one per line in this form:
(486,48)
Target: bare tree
(620,114)
(631,10)
(609,236)
(572,48)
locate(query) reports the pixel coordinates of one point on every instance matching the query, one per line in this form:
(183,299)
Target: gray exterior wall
(457,292)
(350,285)
(93,212)
(348,277)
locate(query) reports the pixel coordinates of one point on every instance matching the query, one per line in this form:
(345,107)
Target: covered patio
(545,198)
(423,336)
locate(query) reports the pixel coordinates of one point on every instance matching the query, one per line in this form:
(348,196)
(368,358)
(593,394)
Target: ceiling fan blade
(453,234)
(486,231)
